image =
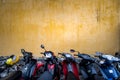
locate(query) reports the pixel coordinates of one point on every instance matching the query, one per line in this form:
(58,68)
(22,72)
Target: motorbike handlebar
(41,53)
(60,53)
(75,55)
(96,56)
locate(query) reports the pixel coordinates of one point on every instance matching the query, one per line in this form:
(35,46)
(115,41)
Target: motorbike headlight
(110,71)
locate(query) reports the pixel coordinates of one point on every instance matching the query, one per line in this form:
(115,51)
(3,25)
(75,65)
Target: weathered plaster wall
(85,25)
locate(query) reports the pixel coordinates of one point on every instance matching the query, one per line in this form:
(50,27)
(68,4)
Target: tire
(16,75)
(83,73)
(32,71)
(45,76)
(27,74)
(71,76)
(97,77)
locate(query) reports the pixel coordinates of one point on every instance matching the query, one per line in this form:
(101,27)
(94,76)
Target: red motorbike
(50,67)
(69,67)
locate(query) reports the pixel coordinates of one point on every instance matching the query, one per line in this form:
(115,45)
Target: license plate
(110,71)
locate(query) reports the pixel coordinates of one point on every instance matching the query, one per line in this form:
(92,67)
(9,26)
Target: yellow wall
(85,25)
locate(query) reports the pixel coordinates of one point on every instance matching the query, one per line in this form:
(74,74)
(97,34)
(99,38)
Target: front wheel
(98,77)
(46,76)
(71,76)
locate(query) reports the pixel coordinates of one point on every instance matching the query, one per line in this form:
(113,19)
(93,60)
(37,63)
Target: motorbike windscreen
(68,55)
(48,55)
(110,57)
(86,56)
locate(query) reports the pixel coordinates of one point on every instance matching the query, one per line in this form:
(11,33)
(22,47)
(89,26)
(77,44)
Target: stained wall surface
(84,25)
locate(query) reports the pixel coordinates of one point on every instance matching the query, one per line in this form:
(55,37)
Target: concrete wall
(84,25)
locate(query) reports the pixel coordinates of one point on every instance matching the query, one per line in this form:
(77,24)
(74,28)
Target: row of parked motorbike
(66,66)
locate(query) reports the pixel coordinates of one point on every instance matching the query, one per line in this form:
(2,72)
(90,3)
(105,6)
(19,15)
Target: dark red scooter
(69,67)
(51,66)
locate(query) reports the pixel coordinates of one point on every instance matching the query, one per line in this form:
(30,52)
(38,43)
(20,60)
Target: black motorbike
(87,67)
(28,66)
(107,67)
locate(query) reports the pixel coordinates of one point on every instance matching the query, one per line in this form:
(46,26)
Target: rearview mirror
(72,50)
(42,46)
(22,50)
